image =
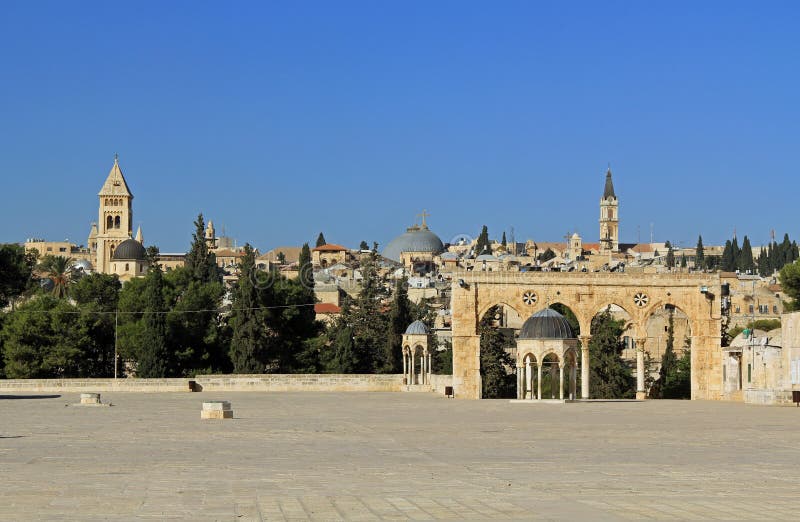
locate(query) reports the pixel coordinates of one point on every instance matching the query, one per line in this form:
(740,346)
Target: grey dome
(130,249)
(82,264)
(547,324)
(416,239)
(417,328)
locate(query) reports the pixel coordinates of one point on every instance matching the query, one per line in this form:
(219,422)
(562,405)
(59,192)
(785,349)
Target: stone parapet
(95,385)
(302,382)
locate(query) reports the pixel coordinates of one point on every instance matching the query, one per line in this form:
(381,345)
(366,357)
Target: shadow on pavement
(29,397)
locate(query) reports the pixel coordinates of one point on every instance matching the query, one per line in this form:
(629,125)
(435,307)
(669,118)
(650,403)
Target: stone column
(539,381)
(528,380)
(573,385)
(412,369)
(640,392)
(520,382)
(405,366)
(585,366)
(561,381)
(429,368)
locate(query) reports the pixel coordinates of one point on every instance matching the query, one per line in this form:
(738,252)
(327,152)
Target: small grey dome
(547,324)
(417,328)
(82,264)
(130,249)
(416,239)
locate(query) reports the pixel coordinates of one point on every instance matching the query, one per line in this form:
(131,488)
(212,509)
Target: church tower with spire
(609,217)
(115,217)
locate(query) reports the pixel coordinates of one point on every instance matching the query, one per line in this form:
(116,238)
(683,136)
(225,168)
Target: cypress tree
(736,252)
(699,255)
(503,241)
(248,342)
(611,378)
(745,261)
(152,357)
(728,263)
(321,240)
(683,261)
(199,261)
(495,361)
(670,255)
(399,319)
(483,242)
(305,268)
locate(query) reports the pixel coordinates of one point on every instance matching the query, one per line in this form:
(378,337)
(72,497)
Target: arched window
(127,267)
(116,222)
(109,222)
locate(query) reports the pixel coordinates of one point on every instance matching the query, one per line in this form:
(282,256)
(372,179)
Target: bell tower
(115,216)
(609,217)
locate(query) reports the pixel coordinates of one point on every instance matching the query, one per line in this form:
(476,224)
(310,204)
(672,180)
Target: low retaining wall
(94,385)
(302,382)
(265,383)
(438,382)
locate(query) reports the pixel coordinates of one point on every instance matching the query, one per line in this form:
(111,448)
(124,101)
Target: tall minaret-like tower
(115,217)
(609,217)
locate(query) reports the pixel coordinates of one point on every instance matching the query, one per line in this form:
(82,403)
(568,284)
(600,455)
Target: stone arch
(583,321)
(504,303)
(694,325)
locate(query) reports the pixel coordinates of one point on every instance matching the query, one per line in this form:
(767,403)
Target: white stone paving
(394,456)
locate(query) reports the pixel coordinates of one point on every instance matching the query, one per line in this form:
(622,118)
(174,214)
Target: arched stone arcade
(587,294)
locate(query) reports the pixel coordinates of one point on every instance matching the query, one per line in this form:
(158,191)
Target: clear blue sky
(280,120)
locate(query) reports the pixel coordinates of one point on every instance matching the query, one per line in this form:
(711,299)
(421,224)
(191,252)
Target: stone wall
(302,382)
(93,385)
(264,383)
(768,397)
(438,382)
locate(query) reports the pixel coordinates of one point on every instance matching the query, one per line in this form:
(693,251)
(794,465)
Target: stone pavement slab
(394,456)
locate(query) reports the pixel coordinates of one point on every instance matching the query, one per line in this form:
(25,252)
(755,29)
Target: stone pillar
(429,368)
(573,385)
(528,380)
(520,383)
(412,369)
(561,380)
(539,381)
(405,366)
(585,366)
(640,391)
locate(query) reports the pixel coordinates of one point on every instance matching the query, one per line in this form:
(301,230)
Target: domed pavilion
(546,347)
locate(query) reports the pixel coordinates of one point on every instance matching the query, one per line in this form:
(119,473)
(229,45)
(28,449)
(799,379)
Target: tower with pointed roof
(115,217)
(609,217)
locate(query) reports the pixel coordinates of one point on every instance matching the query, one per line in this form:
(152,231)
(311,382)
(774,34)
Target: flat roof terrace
(393,456)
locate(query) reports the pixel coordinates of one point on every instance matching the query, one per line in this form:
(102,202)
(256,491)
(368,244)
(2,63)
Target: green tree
(306,268)
(345,357)
(399,319)
(678,384)
(47,338)
(745,262)
(699,255)
(728,262)
(16,272)
(200,262)
(363,246)
(246,319)
(321,240)
(503,240)
(496,381)
(684,263)
(670,255)
(281,258)
(97,296)
(790,282)
(483,245)
(152,357)
(611,378)
(442,360)
(669,361)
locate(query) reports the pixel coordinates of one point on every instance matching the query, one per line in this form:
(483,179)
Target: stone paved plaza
(394,456)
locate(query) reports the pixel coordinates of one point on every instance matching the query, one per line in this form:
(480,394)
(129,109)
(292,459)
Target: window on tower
(109,222)
(116,222)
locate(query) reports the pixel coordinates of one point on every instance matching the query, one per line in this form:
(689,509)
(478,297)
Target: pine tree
(611,378)
(321,240)
(151,361)
(363,246)
(699,255)
(399,319)
(745,261)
